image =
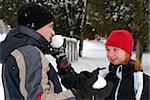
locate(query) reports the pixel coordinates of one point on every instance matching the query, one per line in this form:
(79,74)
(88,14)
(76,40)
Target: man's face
(47,31)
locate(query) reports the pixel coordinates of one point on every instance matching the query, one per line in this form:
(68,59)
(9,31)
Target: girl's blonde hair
(136,63)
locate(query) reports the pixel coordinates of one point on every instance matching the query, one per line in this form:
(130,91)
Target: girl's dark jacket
(27,82)
(128,84)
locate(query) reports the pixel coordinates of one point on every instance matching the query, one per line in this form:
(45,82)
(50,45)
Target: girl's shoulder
(146,79)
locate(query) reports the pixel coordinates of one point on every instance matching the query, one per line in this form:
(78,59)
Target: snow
(94,55)
(100,83)
(2,37)
(57,41)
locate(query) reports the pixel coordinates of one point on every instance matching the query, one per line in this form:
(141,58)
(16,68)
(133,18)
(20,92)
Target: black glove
(81,84)
(99,94)
(96,71)
(60,55)
(86,91)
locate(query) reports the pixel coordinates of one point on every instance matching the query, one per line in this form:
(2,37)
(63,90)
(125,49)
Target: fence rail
(71,49)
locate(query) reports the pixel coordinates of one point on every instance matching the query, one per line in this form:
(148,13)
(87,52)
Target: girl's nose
(110,54)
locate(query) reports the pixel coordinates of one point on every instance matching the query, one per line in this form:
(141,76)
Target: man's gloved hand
(59,52)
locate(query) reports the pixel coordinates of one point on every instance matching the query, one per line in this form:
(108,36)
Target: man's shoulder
(28,53)
(28,49)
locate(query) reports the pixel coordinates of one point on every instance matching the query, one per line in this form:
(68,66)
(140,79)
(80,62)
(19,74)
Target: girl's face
(116,55)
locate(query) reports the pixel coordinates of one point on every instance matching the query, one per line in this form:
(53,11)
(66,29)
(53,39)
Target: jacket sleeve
(72,80)
(81,83)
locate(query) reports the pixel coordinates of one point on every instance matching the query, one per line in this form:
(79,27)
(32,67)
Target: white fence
(71,49)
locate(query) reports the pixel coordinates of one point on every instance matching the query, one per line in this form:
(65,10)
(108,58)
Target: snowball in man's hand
(57,41)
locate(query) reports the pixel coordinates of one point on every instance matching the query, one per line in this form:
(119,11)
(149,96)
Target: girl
(126,74)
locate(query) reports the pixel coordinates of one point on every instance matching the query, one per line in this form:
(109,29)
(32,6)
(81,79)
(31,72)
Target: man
(27,74)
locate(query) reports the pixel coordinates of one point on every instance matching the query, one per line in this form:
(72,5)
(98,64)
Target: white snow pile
(2,37)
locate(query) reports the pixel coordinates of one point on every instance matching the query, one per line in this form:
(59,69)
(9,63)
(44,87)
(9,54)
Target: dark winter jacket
(128,84)
(26,71)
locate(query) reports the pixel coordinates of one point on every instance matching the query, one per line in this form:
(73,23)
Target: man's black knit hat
(33,16)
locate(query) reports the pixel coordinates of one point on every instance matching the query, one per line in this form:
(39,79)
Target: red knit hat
(121,39)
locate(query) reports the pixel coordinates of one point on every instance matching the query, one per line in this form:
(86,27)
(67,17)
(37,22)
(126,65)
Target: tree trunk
(139,50)
(80,46)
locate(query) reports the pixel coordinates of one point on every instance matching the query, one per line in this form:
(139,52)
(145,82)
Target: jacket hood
(21,36)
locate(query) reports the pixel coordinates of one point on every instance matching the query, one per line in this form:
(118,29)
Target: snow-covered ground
(146,63)
(94,55)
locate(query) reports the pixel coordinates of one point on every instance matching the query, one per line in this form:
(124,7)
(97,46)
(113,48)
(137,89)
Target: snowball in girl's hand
(100,83)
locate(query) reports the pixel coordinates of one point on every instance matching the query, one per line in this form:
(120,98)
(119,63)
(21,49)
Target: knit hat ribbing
(121,39)
(33,16)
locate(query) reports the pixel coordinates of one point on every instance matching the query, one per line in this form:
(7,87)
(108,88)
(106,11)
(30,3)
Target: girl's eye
(107,49)
(115,49)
